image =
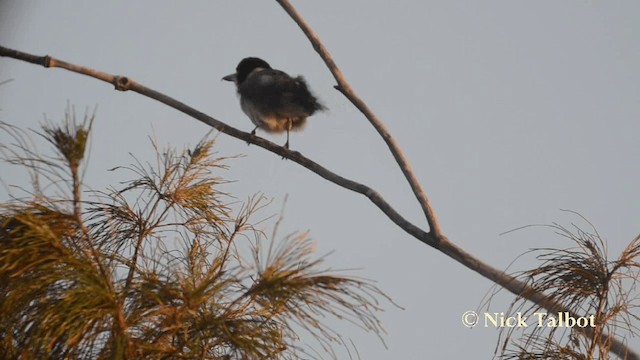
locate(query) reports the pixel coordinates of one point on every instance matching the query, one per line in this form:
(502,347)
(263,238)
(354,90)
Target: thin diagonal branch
(344,87)
(440,243)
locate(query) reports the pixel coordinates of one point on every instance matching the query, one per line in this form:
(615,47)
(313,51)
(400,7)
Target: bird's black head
(247,65)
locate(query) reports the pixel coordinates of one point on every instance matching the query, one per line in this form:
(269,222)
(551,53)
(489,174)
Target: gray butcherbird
(273,100)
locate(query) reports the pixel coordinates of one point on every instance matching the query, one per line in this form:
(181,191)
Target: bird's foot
(253,133)
(286,147)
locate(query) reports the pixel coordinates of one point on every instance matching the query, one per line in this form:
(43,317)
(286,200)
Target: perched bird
(273,100)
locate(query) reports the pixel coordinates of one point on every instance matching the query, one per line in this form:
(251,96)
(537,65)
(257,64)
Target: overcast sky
(509,111)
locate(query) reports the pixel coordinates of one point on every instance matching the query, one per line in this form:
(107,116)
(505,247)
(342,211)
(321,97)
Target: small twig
(344,87)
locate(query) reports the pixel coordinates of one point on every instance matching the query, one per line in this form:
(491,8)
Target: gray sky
(509,111)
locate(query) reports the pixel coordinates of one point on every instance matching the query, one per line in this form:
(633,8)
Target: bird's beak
(230,77)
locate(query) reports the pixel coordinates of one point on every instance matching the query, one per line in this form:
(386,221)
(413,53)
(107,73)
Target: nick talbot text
(538,319)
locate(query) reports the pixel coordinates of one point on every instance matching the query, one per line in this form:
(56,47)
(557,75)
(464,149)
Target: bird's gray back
(276,93)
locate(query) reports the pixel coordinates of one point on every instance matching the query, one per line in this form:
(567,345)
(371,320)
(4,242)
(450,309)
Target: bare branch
(344,87)
(123,83)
